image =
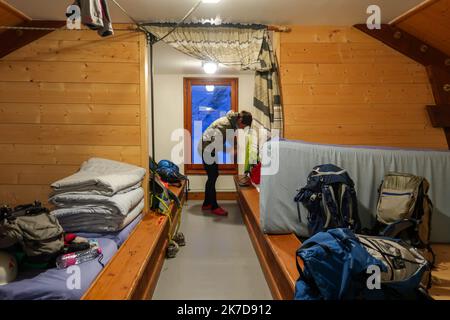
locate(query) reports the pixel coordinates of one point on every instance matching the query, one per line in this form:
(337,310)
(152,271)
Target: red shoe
(220,212)
(207,208)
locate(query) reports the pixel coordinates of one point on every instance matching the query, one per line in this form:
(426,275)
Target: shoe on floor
(207,208)
(219,212)
(180,239)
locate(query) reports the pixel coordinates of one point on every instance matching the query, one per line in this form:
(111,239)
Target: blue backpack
(330,199)
(336,263)
(169,172)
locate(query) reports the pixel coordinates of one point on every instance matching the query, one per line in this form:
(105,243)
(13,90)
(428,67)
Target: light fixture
(210,1)
(210,67)
(210,88)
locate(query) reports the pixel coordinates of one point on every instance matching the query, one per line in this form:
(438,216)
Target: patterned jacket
(229,121)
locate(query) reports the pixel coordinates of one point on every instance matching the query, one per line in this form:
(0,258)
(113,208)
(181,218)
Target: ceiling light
(210,1)
(210,67)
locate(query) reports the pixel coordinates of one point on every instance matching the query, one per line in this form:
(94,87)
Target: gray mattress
(51,284)
(366,165)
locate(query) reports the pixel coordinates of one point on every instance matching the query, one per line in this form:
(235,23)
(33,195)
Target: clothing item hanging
(95,15)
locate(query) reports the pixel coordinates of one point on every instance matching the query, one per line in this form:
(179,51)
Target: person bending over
(231,121)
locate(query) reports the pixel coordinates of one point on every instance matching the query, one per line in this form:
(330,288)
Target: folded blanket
(101,176)
(120,204)
(95,219)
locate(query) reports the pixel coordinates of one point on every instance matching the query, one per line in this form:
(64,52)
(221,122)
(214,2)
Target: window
(206,100)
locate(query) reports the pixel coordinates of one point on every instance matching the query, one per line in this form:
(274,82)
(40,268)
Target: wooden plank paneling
(85,51)
(341,86)
(21,194)
(106,135)
(324,34)
(357,93)
(377,135)
(34,174)
(81,35)
(69,114)
(65,154)
(361,113)
(65,98)
(311,73)
(351,53)
(77,72)
(44,92)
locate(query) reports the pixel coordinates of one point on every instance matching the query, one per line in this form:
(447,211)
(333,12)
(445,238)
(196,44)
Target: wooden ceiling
(10,16)
(429,22)
(12,40)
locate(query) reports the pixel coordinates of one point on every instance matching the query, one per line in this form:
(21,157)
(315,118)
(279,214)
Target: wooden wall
(65,98)
(341,86)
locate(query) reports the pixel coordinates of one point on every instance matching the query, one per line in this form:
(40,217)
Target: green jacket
(229,121)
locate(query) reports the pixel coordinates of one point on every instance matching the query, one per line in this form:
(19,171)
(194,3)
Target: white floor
(218,261)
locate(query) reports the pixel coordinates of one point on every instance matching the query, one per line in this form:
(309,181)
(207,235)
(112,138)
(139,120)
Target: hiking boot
(172,250)
(180,239)
(219,212)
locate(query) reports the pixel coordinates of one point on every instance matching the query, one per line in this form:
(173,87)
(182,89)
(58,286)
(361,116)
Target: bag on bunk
(170,172)
(338,265)
(406,273)
(35,229)
(330,199)
(332,266)
(404,211)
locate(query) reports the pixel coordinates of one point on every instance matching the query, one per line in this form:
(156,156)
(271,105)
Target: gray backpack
(404,210)
(39,233)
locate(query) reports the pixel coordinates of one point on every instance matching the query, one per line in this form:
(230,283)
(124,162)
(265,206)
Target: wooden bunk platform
(276,253)
(132,274)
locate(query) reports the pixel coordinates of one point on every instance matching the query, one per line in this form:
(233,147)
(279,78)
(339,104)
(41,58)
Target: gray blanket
(95,219)
(103,177)
(119,204)
(366,166)
(95,213)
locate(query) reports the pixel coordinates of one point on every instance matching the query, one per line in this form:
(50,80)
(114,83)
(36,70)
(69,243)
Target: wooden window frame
(197,169)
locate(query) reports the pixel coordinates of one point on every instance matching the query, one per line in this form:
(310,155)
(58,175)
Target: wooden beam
(12,10)
(439,115)
(409,45)
(440,83)
(436,61)
(13,40)
(420,7)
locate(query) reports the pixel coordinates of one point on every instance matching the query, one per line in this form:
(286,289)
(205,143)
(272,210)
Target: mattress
(52,284)
(366,165)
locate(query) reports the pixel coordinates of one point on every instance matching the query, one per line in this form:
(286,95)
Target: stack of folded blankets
(103,196)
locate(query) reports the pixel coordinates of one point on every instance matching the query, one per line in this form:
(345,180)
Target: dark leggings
(212,170)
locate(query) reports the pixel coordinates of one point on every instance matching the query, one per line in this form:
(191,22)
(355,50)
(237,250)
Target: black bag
(330,199)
